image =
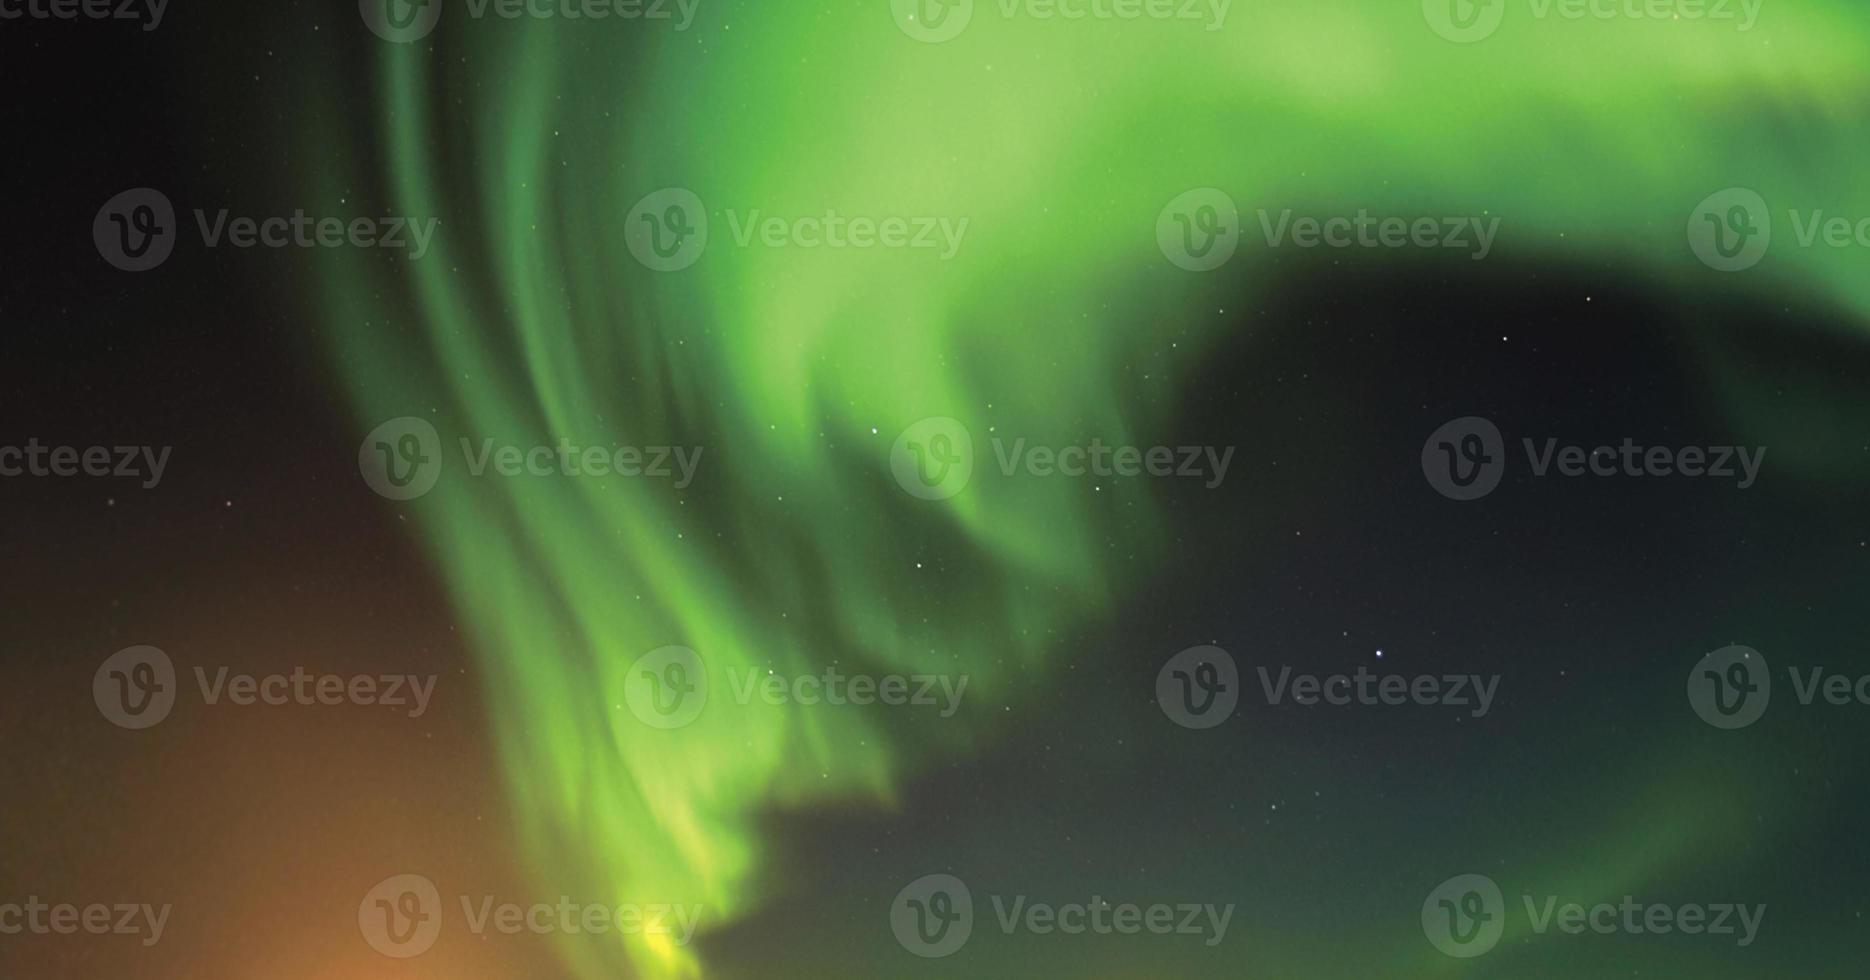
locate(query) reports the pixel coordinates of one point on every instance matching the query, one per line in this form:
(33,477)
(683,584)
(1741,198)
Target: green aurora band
(1059,141)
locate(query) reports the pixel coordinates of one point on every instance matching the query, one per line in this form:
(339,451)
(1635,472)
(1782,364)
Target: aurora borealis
(923,218)
(1059,142)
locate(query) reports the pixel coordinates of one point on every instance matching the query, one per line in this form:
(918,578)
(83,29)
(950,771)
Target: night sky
(540,607)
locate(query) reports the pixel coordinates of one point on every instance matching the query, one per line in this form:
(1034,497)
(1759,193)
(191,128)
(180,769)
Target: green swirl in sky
(1057,317)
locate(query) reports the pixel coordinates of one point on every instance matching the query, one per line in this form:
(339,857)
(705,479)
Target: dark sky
(1590,599)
